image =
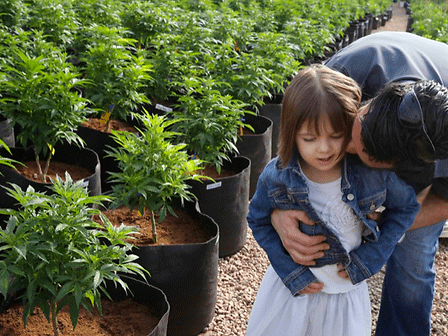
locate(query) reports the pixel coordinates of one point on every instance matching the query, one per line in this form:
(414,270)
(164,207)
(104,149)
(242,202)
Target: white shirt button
(350,197)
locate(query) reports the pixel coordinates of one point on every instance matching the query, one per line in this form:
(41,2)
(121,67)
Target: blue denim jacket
(364,190)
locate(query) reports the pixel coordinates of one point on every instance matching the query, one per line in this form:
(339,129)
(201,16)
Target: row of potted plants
(428,19)
(152,179)
(208,65)
(254,47)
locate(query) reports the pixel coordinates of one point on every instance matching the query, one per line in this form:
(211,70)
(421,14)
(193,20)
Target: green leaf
(74,313)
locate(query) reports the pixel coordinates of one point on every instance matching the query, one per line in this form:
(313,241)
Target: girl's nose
(324,145)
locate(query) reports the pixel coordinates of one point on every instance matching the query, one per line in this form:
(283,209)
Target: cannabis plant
(53,254)
(41,95)
(117,73)
(153,170)
(209,122)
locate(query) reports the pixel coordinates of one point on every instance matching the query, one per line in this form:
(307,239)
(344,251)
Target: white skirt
(277,312)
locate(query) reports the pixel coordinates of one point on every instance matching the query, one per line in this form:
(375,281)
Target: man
(374,61)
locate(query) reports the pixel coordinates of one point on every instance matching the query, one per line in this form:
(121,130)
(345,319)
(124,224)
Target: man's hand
(302,248)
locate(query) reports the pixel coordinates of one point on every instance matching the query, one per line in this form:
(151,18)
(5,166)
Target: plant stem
(154,232)
(107,126)
(54,318)
(41,174)
(47,165)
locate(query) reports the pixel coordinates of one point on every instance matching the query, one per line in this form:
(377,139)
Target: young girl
(313,174)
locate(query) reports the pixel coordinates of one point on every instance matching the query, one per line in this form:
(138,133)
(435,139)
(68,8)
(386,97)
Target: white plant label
(214,185)
(163,108)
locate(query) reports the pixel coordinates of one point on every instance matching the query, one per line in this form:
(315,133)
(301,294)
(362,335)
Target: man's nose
(351,147)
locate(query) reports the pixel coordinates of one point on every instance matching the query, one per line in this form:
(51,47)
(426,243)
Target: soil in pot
(81,163)
(117,125)
(31,172)
(119,318)
(181,230)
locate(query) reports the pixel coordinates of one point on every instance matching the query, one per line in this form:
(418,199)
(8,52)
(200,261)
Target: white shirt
(326,199)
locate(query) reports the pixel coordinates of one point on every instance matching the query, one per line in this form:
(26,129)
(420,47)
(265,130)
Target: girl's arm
(297,278)
(401,209)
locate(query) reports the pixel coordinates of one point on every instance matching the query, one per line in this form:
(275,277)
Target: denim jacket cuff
(297,282)
(356,270)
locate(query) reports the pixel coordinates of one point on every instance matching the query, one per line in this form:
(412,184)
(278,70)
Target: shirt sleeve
(440,187)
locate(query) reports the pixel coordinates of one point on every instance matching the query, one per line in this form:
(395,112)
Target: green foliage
(146,20)
(101,12)
(40,93)
(208,121)
(53,251)
(153,169)
(56,19)
(116,71)
(430,19)
(12,12)
(7,161)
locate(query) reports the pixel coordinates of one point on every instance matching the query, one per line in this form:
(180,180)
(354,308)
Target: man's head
(403,122)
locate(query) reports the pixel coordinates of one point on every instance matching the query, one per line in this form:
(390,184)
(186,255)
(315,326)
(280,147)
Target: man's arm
(302,248)
(433,210)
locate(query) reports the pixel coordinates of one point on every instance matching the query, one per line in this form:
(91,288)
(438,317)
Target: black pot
(385,19)
(70,154)
(147,295)
(361,28)
(274,113)
(409,25)
(256,147)
(352,32)
(7,132)
(370,19)
(345,41)
(142,293)
(100,142)
(226,201)
(188,275)
(375,22)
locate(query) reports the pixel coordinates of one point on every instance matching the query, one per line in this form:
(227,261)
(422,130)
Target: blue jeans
(408,288)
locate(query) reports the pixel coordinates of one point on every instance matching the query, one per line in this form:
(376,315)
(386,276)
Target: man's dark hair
(390,138)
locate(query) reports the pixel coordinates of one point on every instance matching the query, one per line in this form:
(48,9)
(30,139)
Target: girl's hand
(315,287)
(342,273)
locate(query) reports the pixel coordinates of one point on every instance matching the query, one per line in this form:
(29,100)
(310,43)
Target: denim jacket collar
(346,169)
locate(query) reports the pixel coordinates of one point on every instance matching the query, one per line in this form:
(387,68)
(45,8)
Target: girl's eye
(308,139)
(337,136)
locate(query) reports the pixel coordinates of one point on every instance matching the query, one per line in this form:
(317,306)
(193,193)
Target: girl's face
(321,154)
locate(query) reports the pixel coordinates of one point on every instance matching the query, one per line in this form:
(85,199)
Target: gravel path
(240,275)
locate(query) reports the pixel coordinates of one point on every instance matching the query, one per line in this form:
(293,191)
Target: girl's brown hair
(315,93)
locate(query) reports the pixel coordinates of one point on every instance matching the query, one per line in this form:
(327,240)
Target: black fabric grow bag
(226,201)
(274,113)
(148,295)
(256,147)
(188,275)
(70,154)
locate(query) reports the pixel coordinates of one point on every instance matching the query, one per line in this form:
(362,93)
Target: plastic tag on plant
(51,148)
(105,117)
(163,108)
